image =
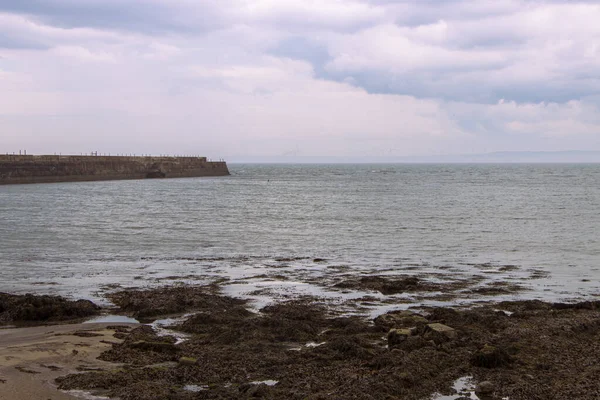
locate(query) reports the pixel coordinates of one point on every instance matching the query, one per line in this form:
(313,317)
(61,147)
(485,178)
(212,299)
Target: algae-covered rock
(159,347)
(406,379)
(188,361)
(485,388)
(399,319)
(413,343)
(31,308)
(440,332)
(397,336)
(490,357)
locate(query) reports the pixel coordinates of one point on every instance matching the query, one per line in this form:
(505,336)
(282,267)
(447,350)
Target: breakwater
(17,169)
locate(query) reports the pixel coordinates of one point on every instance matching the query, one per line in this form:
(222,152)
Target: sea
(273,230)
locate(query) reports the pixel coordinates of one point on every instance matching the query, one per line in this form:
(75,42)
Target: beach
(218,347)
(33,357)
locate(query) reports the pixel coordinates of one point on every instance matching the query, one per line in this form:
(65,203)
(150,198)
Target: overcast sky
(231,78)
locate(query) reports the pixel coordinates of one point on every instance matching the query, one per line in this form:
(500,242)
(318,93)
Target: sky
(277,78)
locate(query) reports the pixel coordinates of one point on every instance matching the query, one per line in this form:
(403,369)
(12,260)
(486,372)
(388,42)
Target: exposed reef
(30,309)
(304,349)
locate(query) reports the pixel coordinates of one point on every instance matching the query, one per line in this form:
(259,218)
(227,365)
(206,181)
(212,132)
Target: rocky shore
(303,348)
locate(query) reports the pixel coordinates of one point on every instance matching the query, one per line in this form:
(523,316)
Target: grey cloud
(300,48)
(305,39)
(410,13)
(159,17)
(443,85)
(13,43)
(465,83)
(137,16)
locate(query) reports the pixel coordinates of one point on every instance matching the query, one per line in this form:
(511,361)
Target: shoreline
(33,357)
(365,290)
(305,348)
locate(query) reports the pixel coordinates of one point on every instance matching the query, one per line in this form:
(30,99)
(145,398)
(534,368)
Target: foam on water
(161,327)
(465,389)
(81,394)
(195,388)
(268,382)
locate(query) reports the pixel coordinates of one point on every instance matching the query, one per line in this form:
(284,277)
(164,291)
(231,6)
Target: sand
(31,358)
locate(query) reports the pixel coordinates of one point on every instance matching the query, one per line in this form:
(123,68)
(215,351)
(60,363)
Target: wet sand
(32,358)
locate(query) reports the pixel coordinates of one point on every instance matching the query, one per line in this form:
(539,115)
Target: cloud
(190,16)
(536,52)
(391,48)
(20,32)
(82,54)
(329,77)
(311,14)
(147,16)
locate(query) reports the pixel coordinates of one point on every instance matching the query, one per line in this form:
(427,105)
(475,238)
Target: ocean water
(444,222)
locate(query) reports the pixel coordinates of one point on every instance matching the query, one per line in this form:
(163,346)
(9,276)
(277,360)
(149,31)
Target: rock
(398,352)
(414,343)
(485,388)
(399,319)
(41,309)
(86,334)
(351,347)
(188,361)
(447,347)
(490,357)
(440,332)
(386,321)
(445,330)
(253,390)
(397,336)
(414,320)
(159,347)
(406,379)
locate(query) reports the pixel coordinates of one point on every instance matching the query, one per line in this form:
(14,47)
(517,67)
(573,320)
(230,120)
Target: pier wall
(16,169)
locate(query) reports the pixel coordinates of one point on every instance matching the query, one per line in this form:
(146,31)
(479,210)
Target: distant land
(496,157)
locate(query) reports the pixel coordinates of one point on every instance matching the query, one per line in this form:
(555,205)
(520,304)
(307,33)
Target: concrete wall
(41,169)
